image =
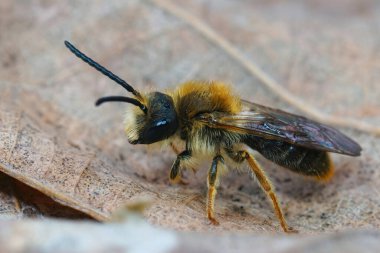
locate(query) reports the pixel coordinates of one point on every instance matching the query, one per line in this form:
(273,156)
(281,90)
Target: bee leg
(175,172)
(212,183)
(267,186)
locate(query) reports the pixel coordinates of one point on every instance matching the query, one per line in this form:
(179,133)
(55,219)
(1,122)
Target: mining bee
(213,122)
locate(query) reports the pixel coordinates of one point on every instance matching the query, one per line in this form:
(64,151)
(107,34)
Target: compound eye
(159,127)
(161,123)
(159,130)
(167,105)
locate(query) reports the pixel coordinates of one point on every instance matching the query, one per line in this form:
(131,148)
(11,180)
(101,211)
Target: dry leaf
(20,201)
(54,140)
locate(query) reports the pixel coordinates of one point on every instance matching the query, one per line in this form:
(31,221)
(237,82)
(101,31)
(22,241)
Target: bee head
(153,119)
(158,122)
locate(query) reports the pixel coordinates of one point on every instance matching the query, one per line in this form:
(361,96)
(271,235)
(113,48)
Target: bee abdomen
(309,162)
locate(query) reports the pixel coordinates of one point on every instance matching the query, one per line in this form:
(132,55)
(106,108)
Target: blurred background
(322,56)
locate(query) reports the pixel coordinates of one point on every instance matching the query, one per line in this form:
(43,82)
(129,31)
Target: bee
(212,121)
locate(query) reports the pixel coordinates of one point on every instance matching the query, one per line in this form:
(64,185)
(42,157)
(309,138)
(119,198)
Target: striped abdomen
(309,162)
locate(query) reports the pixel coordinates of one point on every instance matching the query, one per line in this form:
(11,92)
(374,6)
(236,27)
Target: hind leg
(240,156)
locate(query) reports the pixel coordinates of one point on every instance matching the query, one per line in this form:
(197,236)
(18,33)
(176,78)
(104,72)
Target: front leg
(212,183)
(175,172)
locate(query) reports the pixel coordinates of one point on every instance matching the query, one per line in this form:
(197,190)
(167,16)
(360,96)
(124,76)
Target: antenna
(102,69)
(121,99)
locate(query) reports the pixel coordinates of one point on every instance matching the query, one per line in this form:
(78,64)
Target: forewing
(275,124)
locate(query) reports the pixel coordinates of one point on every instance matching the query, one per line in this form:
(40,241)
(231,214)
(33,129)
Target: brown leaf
(21,201)
(53,139)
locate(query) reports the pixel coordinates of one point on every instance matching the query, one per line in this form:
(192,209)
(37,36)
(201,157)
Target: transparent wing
(274,124)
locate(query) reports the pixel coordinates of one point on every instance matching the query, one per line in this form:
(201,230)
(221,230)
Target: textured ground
(62,157)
